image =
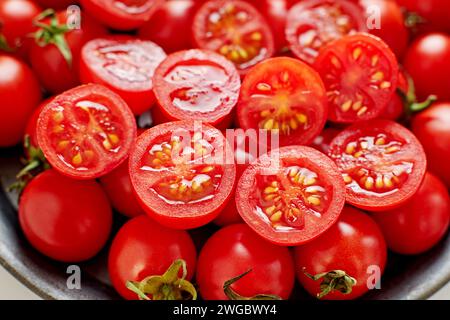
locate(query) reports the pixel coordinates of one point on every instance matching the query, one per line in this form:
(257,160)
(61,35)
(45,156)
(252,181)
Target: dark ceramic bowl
(416,277)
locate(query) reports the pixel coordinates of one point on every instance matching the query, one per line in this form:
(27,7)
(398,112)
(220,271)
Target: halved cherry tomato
(143,248)
(420,223)
(286,97)
(383,164)
(344,258)
(125,65)
(291,195)
(360,73)
(183,173)
(86,132)
(67,220)
(122,14)
(236,249)
(236,30)
(195,84)
(312,24)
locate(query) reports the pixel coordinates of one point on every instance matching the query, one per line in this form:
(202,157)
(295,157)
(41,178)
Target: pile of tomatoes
(347,103)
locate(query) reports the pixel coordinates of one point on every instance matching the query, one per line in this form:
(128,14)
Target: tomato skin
(323,140)
(353,244)
(428,62)
(20,94)
(421,223)
(435,12)
(56,4)
(138,94)
(65,219)
(432,128)
(143,248)
(117,185)
(170,25)
(16,23)
(234,250)
(108,13)
(48,63)
(393,30)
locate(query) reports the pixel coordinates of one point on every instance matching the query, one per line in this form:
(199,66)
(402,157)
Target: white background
(10,288)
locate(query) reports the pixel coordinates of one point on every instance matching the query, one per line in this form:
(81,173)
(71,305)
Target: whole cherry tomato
(346,253)
(170,25)
(433,12)
(56,4)
(418,225)
(428,62)
(56,54)
(432,128)
(142,248)
(236,249)
(65,219)
(19,95)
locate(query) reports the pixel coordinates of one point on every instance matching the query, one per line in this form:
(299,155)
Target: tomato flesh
(291,197)
(285,97)
(126,66)
(236,30)
(196,84)
(382,163)
(360,73)
(314,23)
(179,175)
(86,132)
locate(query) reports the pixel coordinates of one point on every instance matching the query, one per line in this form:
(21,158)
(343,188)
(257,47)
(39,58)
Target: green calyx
(410,99)
(52,33)
(167,286)
(335,280)
(4,46)
(34,164)
(232,295)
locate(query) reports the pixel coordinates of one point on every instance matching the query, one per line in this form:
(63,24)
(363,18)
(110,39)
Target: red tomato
(55,73)
(312,24)
(428,62)
(125,65)
(19,95)
(65,219)
(236,249)
(182,173)
(122,14)
(234,29)
(419,224)
(323,140)
(275,13)
(117,185)
(170,26)
(86,132)
(286,97)
(432,128)
(435,12)
(16,22)
(396,107)
(383,164)
(360,73)
(392,28)
(353,245)
(291,195)
(142,248)
(56,4)
(196,84)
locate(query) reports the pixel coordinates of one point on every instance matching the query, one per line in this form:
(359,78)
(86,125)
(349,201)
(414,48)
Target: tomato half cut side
(86,132)
(124,65)
(182,174)
(196,84)
(285,97)
(236,30)
(383,164)
(291,195)
(314,23)
(122,14)
(360,73)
